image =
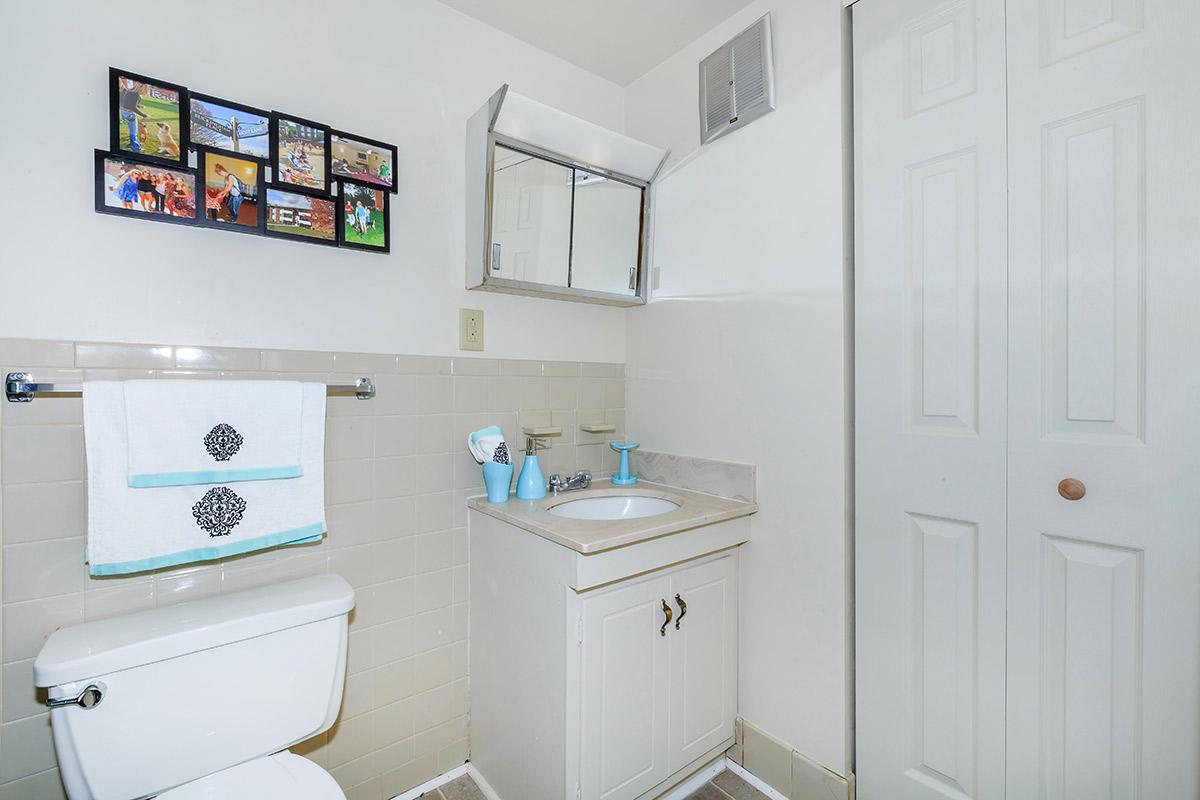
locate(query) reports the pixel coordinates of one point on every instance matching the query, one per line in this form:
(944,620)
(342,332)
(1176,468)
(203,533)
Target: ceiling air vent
(737,82)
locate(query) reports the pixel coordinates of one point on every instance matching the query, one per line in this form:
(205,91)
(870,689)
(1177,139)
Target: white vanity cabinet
(656,694)
(581,689)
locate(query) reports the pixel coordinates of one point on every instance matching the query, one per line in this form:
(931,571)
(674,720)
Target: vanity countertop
(593,536)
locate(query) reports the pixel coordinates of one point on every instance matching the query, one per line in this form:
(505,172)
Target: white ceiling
(616,39)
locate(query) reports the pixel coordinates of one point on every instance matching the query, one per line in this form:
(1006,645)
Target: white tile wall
(398,475)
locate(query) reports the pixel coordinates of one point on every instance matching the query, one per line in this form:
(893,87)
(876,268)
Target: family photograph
(148,189)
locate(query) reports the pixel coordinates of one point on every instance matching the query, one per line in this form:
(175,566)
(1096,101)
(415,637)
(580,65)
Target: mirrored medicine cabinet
(557,207)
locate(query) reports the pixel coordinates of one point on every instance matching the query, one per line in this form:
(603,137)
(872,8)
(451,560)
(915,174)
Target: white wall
(740,354)
(69,273)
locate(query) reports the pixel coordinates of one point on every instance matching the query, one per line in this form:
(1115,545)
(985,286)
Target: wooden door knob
(1071,489)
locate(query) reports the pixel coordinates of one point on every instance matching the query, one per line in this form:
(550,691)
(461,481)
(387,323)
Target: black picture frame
(295,237)
(196,97)
(102,195)
(276,174)
(392,188)
(387,220)
(182,138)
(203,154)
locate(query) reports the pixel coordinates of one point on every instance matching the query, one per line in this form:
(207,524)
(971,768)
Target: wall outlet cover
(470,329)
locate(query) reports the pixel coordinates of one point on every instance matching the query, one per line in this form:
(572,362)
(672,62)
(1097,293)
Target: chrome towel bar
(20,387)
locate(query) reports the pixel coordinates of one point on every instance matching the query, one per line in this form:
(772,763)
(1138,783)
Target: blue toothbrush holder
(497,477)
(623,478)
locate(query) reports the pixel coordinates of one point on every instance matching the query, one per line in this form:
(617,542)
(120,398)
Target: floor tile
(735,787)
(708,792)
(462,788)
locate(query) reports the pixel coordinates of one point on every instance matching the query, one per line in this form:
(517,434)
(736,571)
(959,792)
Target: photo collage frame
(267,173)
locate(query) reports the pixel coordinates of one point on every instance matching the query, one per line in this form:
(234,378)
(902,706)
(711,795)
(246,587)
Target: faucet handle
(556,483)
(584,477)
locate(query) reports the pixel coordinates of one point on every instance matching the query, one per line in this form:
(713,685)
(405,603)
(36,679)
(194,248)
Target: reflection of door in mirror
(606,235)
(531,218)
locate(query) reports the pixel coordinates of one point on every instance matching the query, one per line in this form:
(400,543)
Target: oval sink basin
(624,507)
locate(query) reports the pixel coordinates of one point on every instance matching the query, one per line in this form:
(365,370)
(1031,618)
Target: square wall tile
(21,699)
(43,569)
(25,748)
(504,393)
(28,624)
(38,511)
(41,453)
(435,394)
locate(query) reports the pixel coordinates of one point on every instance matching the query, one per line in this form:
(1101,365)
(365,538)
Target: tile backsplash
(397,478)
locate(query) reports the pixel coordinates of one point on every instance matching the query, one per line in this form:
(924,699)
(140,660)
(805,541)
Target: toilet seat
(282,776)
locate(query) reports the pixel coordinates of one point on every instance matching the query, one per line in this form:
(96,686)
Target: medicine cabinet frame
(482,140)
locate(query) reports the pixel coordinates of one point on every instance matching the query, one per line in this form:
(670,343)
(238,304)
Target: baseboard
(809,781)
(756,782)
(433,783)
(788,773)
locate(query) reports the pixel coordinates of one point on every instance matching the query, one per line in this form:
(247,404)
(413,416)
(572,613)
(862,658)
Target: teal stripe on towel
(308,533)
(156,479)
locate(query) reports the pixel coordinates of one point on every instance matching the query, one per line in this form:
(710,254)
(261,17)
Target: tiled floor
(725,786)
(458,789)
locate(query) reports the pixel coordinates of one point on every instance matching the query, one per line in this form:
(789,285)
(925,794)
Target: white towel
(483,443)
(212,431)
(133,530)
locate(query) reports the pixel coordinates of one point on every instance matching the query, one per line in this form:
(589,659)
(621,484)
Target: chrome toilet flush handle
(89,698)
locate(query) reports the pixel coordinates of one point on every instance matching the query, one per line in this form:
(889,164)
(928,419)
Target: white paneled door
(1104,388)
(930,423)
(1028,450)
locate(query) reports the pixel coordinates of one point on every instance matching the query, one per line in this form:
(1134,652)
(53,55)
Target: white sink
(621,507)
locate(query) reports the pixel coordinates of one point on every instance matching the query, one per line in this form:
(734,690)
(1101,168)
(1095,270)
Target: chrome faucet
(580,480)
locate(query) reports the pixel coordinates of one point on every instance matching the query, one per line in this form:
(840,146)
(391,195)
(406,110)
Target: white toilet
(199,700)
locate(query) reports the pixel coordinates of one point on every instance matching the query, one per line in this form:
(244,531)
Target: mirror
(561,226)
(606,234)
(531,218)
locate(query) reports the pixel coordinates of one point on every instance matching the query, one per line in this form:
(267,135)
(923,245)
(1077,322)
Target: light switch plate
(470,329)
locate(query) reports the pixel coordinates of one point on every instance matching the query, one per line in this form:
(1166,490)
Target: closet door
(1104,604)
(930,293)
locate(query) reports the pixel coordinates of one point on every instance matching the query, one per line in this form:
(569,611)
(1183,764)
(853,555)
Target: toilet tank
(197,687)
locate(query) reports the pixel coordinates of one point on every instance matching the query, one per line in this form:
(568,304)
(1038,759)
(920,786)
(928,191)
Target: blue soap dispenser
(531,485)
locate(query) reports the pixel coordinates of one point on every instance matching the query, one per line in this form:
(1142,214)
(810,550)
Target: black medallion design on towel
(219,511)
(222,442)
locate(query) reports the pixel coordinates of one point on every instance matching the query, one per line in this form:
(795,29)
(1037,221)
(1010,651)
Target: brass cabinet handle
(668,613)
(1071,489)
(682,610)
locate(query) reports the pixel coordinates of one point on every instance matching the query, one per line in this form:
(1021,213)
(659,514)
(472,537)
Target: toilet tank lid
(110,645)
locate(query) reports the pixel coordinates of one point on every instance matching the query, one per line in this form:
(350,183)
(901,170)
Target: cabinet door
(703,641)
(624,691)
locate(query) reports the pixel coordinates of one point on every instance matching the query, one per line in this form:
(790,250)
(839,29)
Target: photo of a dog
(146,117)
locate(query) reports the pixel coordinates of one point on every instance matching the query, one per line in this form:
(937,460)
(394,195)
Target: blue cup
(498,478)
